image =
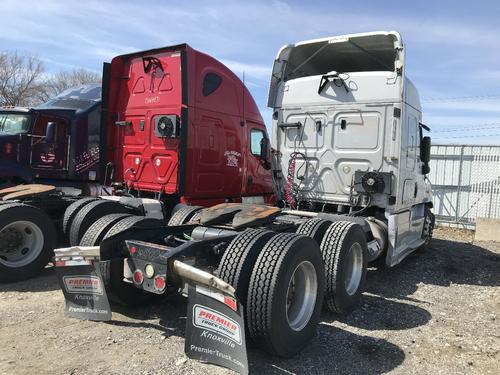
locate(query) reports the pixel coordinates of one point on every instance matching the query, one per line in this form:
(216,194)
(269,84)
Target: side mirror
(265,153)
(426,169)
(425,154)
(425,150)
(50,132)
(264,149)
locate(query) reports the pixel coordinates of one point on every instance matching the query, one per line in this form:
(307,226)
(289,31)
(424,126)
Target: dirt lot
(438,312)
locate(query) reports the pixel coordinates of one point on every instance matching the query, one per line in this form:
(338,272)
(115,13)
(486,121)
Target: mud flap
(215,329)
(84,291)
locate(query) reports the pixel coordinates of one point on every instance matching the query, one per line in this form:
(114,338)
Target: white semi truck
(350,162)
(352,120)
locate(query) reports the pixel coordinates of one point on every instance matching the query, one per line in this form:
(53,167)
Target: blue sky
(452,47)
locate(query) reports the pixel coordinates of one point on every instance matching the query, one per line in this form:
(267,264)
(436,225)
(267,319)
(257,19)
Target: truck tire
(239,259)
(428,228)
(94,235)
(195,219)
(183,215)
(71,212)
(344,252)
(131,222)
(27,241)
(314,228)
(177,207)
(286,294)
(89,214)
(117,290)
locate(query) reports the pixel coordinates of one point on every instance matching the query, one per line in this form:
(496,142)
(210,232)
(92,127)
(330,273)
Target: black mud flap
(83,288)
(215,329)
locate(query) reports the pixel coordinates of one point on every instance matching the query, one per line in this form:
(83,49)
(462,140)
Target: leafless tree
(64,80)
(21,79)
(24,81)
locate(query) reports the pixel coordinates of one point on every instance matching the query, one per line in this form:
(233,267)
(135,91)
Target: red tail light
(138,277)
(133,250)
(160,283)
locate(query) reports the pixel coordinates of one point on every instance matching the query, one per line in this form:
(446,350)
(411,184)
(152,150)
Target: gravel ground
(436,313)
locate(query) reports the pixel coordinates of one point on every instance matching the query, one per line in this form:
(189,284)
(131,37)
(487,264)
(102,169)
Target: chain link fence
(466,183)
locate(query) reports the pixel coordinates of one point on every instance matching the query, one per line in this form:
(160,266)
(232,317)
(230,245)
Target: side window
(40,128)
(211,82)
(256,137)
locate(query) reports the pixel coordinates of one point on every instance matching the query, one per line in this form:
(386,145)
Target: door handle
(249,182)
(123,123)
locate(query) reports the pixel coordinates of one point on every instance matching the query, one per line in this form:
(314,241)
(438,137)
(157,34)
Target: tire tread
(183,215)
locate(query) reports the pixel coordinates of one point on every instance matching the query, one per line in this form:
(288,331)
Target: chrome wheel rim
(354,268)
(301,295)
(21,242)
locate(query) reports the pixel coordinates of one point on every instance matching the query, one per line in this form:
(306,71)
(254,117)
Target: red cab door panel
(153,91)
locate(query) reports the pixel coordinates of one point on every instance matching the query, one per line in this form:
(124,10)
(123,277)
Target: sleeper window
(211,82)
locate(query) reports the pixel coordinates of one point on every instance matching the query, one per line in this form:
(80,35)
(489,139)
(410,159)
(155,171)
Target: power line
(469,128)
(461,98)
(471,136)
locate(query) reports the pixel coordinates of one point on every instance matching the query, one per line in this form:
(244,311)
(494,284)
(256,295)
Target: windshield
(79,98)
(365,54)
(11,123)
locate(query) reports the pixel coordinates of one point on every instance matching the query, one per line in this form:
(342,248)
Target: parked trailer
(351,162)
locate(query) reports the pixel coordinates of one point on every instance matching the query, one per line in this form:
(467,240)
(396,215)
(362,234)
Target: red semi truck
(181,125)
(182,131)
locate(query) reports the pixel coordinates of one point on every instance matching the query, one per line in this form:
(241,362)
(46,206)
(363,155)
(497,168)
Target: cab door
(49,158)
(258,178)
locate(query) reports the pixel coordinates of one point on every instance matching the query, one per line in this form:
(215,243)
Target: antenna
(244,89)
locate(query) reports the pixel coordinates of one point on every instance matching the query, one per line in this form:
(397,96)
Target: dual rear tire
(279,278)
(88,222)
(80,217)
(344,252)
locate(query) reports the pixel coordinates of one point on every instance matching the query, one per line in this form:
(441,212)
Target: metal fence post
(459,184)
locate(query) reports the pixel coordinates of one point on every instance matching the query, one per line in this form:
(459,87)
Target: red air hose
(289,198)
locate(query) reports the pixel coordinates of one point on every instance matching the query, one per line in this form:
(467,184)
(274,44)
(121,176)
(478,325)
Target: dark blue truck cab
(49,155)
(56,142)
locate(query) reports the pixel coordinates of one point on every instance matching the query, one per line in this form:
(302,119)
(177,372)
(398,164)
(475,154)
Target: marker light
(150,271)
(138,277)
(160,283)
